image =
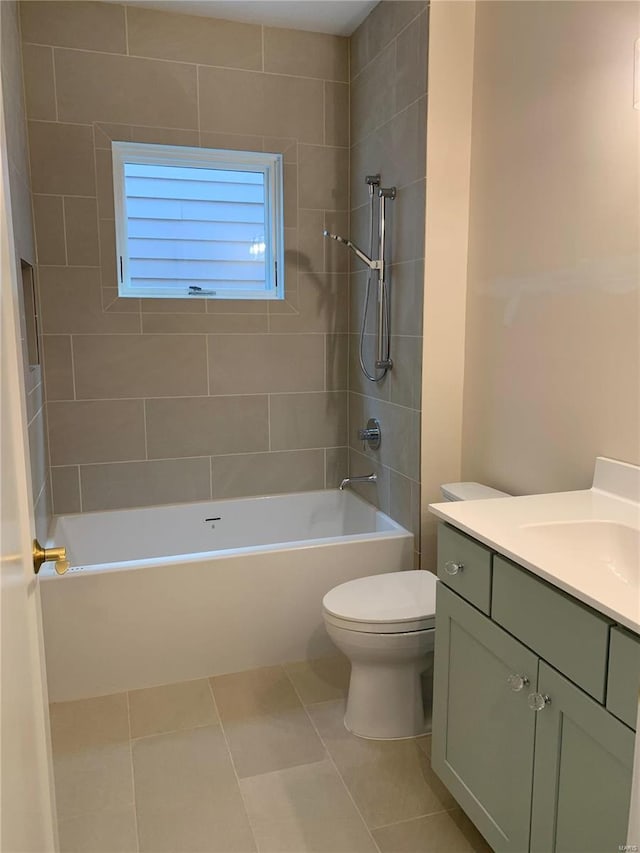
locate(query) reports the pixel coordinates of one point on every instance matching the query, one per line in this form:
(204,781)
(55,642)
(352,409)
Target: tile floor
(253,761)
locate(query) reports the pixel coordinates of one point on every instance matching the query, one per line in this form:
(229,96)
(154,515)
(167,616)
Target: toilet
(385,625)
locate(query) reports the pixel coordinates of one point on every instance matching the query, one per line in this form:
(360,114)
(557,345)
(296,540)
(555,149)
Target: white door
(26,801)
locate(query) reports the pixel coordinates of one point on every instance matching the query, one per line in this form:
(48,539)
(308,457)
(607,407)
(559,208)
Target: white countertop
(597,564)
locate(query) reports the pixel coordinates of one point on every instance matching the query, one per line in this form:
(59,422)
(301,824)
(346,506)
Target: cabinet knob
(453,568)
(538,701)
(517,682)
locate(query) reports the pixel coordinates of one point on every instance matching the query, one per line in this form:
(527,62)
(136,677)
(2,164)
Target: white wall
(447,226)
(552,370)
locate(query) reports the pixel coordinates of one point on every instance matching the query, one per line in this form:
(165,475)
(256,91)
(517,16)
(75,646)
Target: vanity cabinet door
(582,775)
(483,728)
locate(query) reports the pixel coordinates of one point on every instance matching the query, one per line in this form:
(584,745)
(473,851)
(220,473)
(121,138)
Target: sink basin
(606,546)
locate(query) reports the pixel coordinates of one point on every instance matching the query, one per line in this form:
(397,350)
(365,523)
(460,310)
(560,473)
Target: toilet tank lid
(470,492)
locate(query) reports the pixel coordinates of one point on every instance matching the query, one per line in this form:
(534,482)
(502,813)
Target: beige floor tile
(88,723)
(93,780)
(390,781)
(171,707)
(320,680)
(219,826)
(304,809)
(425,745)
(243,695)
(187,794)
(447,832)
(272,742)
(104,832)
(181,766)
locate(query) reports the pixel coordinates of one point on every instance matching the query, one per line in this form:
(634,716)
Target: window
(198,222)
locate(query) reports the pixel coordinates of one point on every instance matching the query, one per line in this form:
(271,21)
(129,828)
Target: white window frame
(172,155)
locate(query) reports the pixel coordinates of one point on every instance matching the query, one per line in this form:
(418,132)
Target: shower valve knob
(371,434)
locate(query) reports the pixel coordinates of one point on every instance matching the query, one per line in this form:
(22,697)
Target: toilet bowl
(385,625)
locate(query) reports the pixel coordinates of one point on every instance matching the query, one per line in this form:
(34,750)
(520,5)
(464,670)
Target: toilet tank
(470,492)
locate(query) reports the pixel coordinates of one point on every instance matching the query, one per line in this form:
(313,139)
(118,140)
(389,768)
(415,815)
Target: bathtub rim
(396,531)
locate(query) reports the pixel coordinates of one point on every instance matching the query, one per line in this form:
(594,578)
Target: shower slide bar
(383,332)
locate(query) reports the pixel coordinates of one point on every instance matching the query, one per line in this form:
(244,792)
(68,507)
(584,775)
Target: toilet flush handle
(453,568)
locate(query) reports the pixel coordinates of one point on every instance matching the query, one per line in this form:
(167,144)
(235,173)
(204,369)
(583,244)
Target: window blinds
(193,227)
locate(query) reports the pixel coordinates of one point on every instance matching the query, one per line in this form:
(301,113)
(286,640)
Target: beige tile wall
(388,135)
(158,401)
(19,182)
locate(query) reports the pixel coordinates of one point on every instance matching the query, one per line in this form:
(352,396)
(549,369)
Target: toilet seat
(392,603)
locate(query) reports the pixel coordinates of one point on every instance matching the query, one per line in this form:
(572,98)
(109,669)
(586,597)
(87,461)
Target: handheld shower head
(374,265)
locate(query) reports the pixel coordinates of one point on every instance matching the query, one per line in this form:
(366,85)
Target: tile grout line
(394,822)
(269,423)
(206,354)
(198,105)
(383,47)
(418,817)
(64,232)
(189,63)
(331,760)
(191,728)
(97,199)
(324,112)
(326,366)
(55,83)
(68,195)
(185,130)
(144,426)
(133,775)
(233,765)
(126,31)
(73,374)
(79,484)
(192,458)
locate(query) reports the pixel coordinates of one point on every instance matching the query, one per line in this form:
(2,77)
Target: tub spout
(349,481)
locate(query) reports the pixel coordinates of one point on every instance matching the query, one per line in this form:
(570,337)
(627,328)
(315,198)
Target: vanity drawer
(470,563)
(624,676)
(570,636)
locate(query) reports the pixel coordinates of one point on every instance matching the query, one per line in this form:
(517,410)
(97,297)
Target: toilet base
(387,703)
(389,674)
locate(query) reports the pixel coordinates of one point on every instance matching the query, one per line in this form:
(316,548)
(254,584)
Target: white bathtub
(171,593)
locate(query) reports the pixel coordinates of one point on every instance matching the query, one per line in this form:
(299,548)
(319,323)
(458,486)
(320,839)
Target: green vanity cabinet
(483,738)
(582,773)
(533,738)
(573,638)
(624,676)
(465,566)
